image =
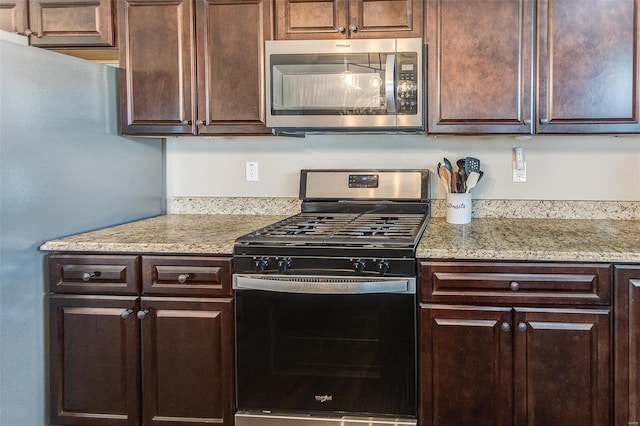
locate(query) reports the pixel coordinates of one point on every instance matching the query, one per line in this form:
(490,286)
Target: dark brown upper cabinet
(61,23)
(193,67)
(338,19)
(526,66)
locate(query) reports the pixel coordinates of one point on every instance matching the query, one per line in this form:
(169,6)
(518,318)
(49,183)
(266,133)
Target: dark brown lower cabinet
(523,366)
(627,345)
(466,362)
(94,360)
(159,354)
(183,356)
(111,355)
(515,343)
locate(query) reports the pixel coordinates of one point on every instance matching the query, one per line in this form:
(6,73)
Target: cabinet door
(94,360)
(588,66)
(187,359)
(385,19)
(230,49)
(480,66)
(627,345)
(465,365)
(562,367)
(72,23)
(156,62)
(14,16)
(310,19)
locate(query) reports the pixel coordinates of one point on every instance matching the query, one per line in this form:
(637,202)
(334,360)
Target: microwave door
(390,84)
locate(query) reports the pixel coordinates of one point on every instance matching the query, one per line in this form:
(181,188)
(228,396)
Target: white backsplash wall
(558,168)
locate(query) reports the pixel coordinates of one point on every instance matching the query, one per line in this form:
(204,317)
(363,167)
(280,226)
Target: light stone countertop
(177,233)
(580,240)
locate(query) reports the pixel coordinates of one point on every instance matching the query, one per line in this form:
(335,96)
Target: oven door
(305,345)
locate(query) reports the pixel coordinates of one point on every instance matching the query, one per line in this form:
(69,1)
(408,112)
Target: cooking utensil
(472,180)
(445,177)
(471,165)
(448,164)
(462,175)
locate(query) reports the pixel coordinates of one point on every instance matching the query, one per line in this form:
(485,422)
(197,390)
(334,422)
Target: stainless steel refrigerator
(63,170)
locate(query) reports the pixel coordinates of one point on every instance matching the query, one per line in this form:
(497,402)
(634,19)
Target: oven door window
(338,353)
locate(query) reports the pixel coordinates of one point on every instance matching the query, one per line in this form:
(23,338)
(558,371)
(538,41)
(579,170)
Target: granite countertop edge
(566,240)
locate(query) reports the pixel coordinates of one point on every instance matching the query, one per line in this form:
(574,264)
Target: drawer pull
(142,314)
(86,277)
(514,286)
(182,278)
(126,314)
(522,327)
(505,327)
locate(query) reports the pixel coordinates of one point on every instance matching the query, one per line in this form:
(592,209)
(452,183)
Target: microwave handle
(390,83)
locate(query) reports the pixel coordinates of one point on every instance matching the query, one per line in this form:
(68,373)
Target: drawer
(515,283)
(186,275)
(94,274)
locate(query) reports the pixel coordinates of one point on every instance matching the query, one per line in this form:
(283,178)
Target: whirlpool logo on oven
(324,398)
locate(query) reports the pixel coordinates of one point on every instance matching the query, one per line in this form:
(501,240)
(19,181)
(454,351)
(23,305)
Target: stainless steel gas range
(325,303)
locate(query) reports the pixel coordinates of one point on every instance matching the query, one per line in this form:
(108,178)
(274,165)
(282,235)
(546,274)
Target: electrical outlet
(520,175)
(251,171)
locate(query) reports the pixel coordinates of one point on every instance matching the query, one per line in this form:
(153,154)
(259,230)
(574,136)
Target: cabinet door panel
(385,18)
(72,22)
(627,346)
(588,66)
(562,367)
(310,19)
(465,365)
(230,40)
(156,67)
(94,360)
(14,17)
(479,66)
(187,358)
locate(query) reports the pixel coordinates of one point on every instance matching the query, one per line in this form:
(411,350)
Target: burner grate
(344,227)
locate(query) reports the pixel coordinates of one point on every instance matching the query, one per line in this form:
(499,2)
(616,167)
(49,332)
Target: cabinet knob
(126,314)
(28,32)
(142,314)
(353,28)
(514,286)
(527,121)
(86,277)
(342,30)
(506,327)
(199,122)
(544,120)
(522,327)
(182,278)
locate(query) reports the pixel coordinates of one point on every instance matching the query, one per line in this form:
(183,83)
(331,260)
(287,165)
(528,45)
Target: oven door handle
(320,285)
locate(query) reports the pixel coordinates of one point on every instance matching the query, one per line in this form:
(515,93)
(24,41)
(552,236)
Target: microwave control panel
(407,94)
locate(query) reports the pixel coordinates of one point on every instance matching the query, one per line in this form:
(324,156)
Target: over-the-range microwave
(345,85)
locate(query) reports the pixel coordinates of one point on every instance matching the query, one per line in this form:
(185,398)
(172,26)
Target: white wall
(558,168)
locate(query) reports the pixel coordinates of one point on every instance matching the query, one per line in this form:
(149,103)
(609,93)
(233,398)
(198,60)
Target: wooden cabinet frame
(533,66)
(627,345)
(524,335)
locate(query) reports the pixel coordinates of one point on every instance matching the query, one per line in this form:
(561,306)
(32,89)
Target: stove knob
(283,265)
(262,264)
(359,266)
(383,267)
